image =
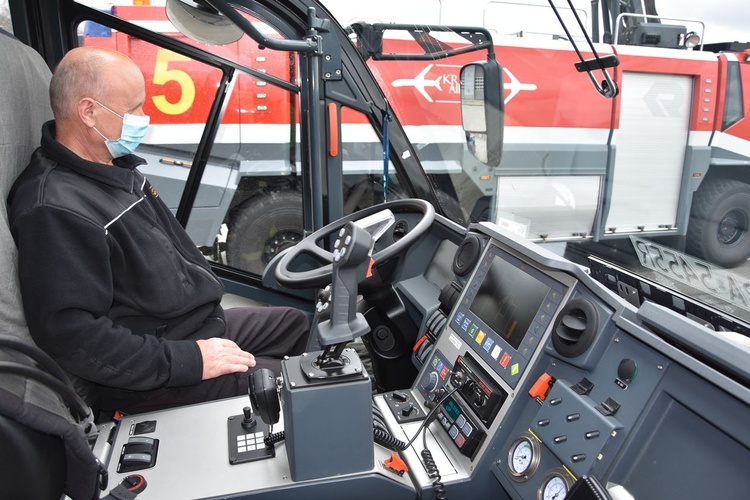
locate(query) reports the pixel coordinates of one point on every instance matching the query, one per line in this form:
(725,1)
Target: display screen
(508,299)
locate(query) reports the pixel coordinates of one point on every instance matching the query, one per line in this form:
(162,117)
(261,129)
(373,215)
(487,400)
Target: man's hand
(222,356)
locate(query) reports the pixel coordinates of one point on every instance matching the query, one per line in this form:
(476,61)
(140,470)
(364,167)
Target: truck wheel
(719,223)
(263,226)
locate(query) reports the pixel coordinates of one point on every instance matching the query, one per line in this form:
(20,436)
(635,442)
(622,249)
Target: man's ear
(86,111)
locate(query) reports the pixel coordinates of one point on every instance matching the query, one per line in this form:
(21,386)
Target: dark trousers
(269,333)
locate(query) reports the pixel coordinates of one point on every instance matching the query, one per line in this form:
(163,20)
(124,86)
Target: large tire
(263,226)
(719,222)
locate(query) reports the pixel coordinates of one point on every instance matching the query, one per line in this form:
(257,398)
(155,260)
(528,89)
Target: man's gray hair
(75,79)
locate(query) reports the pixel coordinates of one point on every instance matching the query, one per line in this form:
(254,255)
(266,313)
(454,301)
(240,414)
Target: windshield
(647,189)
(639,174)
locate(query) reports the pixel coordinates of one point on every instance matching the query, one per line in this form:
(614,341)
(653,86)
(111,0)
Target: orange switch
(541,387)
(395,464)
(419,342)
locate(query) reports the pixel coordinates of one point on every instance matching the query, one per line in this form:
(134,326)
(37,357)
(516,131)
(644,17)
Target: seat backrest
(24,106)
(35,396)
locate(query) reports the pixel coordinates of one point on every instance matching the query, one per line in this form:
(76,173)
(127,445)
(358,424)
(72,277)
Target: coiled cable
(384,438)
(274,438)
(433,473)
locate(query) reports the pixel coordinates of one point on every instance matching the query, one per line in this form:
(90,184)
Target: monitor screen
(508,299)
(507,307)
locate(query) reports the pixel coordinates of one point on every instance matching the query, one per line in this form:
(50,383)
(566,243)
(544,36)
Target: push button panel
(572,428)
(462,429)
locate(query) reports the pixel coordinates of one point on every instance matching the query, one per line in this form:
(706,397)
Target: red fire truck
(667,156)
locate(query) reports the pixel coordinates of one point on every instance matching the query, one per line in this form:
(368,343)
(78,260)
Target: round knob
(627,370)
(407,410)
(324,294)
(430,381)
(479,399)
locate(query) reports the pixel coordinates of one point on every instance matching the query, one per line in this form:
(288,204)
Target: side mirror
(198,20)
(483,110)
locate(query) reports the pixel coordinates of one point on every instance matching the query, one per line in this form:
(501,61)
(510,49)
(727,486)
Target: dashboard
(537,382)
(565,380)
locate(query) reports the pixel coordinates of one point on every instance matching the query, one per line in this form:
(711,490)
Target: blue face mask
(134,128)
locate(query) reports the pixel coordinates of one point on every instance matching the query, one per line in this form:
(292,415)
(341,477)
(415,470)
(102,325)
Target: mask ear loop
(97,131)
(122,117)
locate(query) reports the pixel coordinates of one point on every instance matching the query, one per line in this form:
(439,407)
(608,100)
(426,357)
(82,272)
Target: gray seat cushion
(38,406)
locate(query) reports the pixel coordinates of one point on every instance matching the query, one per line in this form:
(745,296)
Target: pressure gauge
(555,485)
(523,457)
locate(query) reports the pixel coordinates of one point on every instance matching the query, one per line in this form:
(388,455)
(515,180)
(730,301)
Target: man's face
(127,95)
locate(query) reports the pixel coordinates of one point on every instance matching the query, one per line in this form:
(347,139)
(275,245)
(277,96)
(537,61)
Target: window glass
(260,212)
(733,106)
(5,22)
(425,97)
(151,14)
(365,182)
(249,204)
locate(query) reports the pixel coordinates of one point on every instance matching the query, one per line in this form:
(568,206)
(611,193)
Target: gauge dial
(555,485)
(523,457)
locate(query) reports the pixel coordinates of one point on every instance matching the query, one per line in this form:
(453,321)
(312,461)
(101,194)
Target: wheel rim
(732,226)
(279,242)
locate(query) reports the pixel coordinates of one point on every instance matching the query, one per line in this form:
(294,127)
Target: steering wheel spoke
(321,276)
(321,254)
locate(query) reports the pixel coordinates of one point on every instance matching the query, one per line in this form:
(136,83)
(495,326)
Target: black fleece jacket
(113,288)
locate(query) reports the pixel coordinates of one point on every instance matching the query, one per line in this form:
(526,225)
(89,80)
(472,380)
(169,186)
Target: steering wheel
(321,276)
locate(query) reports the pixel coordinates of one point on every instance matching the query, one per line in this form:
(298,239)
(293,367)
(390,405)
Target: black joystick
(248,423)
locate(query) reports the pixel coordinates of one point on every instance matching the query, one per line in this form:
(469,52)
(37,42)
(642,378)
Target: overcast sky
(726,20)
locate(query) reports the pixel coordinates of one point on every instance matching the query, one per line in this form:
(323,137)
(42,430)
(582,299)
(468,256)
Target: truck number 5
(163,75)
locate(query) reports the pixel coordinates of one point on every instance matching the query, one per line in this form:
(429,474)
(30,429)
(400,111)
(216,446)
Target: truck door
(649,145)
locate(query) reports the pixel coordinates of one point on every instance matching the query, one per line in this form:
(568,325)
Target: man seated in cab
(113,287)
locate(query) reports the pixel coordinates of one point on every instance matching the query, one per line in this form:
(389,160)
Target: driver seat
(45,426)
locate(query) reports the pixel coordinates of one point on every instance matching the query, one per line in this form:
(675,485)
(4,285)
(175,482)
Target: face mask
(134,128)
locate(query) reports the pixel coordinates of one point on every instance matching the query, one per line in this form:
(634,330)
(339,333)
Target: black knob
(248,423)
(324,294)
(406,410)
(627,370)
(479,399)
(430,381)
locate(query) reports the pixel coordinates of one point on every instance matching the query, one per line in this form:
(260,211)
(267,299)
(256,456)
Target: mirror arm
(306,46)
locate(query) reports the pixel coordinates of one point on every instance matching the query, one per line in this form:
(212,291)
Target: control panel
(478,390)
(434,378)
(461,426)
(505,311)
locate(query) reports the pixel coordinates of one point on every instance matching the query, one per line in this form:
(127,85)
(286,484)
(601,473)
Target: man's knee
(297,319)
(297,324)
